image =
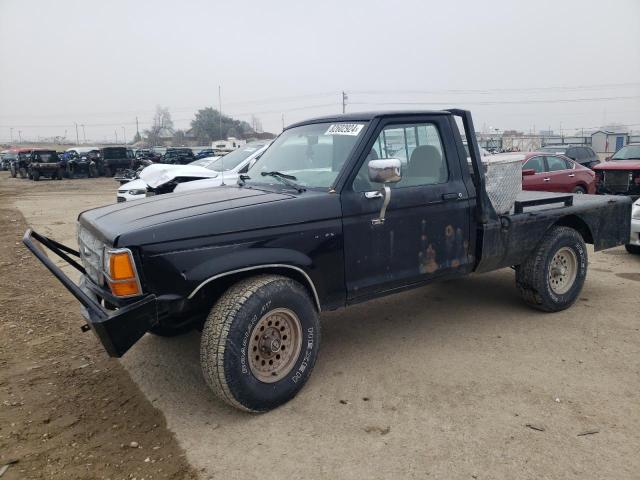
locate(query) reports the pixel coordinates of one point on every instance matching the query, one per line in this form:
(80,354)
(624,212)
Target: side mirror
(385,170)
(528,171)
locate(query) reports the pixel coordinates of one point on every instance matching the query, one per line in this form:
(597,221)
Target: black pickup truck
(338,210)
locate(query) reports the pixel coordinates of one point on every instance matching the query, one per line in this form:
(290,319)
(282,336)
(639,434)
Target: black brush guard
(117,329)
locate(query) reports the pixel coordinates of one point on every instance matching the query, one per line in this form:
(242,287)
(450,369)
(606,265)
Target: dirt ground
(458,380)
(67,411)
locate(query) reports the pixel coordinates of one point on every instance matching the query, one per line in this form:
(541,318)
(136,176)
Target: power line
(505,102)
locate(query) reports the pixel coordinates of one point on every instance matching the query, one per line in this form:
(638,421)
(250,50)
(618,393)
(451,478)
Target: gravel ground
(458,380)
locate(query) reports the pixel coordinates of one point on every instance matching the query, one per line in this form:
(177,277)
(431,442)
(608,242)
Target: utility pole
(20,135)
(84,135)
(116,133)
(220,108)
(345,97)
(283,122)
(77,138)
(137,129)
(124,136)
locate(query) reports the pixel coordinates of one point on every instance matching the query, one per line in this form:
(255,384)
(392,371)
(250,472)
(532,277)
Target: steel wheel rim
(274,345)
(563,270)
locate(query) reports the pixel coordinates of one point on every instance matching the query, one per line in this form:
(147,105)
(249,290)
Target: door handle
(376,194)
(451,196)
(572,175)
(546,179)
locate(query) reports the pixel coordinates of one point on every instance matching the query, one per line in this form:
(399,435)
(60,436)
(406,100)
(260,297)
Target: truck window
(417,146)
(535,163)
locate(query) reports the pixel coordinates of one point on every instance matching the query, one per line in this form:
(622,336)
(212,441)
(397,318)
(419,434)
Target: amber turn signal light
(121,273)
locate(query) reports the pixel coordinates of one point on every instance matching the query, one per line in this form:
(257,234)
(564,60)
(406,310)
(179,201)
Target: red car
(620,175)
(547,172)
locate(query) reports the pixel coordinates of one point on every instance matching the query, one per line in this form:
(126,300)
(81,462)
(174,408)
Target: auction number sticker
(344,129)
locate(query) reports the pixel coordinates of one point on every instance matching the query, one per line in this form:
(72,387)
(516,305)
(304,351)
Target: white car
(161,178)
(634,243)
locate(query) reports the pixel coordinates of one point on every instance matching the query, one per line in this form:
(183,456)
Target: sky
(563,65)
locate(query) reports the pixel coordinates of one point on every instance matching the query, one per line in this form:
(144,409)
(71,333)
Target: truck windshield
(310,155)
(630,152)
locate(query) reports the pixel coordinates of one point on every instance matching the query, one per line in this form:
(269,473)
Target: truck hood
(159,174)
(618,165)
(203,213)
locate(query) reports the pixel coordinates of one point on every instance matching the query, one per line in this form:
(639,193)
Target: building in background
(608,142)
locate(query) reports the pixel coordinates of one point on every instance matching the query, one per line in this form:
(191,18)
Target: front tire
(260,343)
(551,278)
(633,249)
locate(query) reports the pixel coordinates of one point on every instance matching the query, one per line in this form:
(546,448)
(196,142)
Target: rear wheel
(551,278)
(634,249)
(14,172)
(260,343)
(35,175)
(23,173)
(579,190)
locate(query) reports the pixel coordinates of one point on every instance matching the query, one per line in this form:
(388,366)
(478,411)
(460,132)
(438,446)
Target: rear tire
(551,278)
(35,175)
(23,173)
(14,172)
(579,190)
(260,343)
(633,249)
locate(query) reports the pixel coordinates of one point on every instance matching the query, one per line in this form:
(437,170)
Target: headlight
(137,191)
(120,272)
(635,211)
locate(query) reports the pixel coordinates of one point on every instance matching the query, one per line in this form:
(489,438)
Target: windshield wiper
(286,179)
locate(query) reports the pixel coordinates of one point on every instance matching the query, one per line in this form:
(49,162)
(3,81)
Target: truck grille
(91,252)
(617,181)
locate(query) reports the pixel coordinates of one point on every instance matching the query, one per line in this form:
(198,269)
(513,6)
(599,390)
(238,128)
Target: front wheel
(551,278)
(633,249)
(260,343)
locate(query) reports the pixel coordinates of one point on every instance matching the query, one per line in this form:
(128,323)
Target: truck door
(426,230)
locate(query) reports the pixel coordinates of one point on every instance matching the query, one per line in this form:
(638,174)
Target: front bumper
(116,329)
(635,232)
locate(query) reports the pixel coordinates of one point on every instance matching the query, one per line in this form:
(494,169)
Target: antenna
(220,114)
